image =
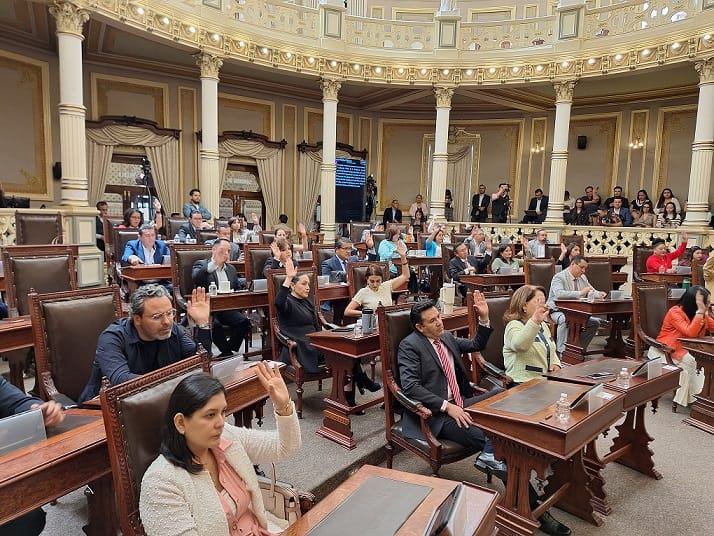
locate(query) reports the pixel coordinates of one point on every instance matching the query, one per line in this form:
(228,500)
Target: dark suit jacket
(387,217)
(133,247)
(423,380)
(333,264)
(187,230)
(456,265)
(476,214)
(543,204)
(202,278)
(235,249)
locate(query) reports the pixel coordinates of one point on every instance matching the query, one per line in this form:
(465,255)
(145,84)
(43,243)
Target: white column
(328,169)
(209,177)
(559,160)
(702,148)
(72,113)
(439,162)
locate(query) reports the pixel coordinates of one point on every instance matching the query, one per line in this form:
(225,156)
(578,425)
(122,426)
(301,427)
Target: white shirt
(148,254)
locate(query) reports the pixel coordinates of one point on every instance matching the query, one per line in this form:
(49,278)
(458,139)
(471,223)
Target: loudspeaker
(582,142)
(57,171)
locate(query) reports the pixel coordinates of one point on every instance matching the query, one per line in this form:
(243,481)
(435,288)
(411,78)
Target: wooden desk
(539,440)
(481,504)
(16,334)
(577,313)
(672,279)
(487,282)
(134,275)
(631,446)
(247,299)
(40,473)
(341,350)
(702,412)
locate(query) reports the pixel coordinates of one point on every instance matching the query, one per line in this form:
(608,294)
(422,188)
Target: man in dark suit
(191,228)
(432,373)
(392,214)
(224,233)
(501,203)
(465,264)
(103,209)
(338,262)
(217,270)
(479,204)
(147,250)
(538,204)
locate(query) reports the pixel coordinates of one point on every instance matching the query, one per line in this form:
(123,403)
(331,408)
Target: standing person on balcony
(479,204)
(501,203)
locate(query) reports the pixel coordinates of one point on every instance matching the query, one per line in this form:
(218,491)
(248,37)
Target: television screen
(350,179)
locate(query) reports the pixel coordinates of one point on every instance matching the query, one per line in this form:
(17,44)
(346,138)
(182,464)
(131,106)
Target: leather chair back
(183,257)
(109,223)
(497,307)
(38,228)
(649,307)
(698,273)
(206,234)
(265,238)
(377,237)
(640,254)
(599,274)
(66,327)
(578,239)
(173,225)
(255,257)
(447,253)
(41,273)
(121,238)
(133,417)
(358,274)
(357,228)
(320,254)
(394,326)
(460,237)
(539,272)
(552,251)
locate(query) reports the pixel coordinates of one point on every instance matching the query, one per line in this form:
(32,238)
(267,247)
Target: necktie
(448,372)
(576,284)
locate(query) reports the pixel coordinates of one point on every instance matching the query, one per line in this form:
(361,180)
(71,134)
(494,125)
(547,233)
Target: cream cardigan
(176,502)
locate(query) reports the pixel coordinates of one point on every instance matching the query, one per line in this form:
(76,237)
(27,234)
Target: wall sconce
(538,148)
(637,143)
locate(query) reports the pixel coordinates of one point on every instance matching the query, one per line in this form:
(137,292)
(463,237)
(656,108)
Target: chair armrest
(404,400)
(53,394)
(651,341)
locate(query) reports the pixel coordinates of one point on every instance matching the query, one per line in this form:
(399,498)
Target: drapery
(270,171)
(308,188)
(162,151)
(458,178)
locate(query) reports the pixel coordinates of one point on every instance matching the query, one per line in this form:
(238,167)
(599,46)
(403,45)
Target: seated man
(535,249)
(465,264)
(283,224)
(216,270)
(476,241)
(433,375)
(618,215)
(539,205)
(224,233)
(572,284)
(147,250)
(191,228)
(148,338)
(194,204)
(338,262)
(13,401)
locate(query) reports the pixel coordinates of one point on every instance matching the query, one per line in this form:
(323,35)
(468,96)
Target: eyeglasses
(346,248)
(168,314)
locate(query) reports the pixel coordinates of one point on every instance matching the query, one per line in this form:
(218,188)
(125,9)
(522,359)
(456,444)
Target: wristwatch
(205,325)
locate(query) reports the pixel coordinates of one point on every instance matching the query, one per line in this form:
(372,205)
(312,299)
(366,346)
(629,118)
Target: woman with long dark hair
(640,199)
(579,216)
(690,318)
(645,217)
(669,218)
(203,482)
(667,197)
(567,253)
(133,219)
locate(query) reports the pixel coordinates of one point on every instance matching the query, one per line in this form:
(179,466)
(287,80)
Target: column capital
(443,96)
(210,64)
(69,18)
(705,69)
(564,91)
(330,89)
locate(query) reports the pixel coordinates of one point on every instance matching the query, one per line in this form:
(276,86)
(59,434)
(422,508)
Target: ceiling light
(423,70)
(378,70)
(215,37)
(333,63)
(676,46)
(165,20)
(646,52)
(539,68)
(264,51)
(311,60)
(139,10)
(400,70)
(445,71)
(516,69)
(591,61)
(707,37)
(288,55)
(469,72)
(565,64)
(241,44)
(618,57)
(492,70)
(191,29)
(356,66)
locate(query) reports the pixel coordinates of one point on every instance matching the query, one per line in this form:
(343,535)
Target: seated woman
(529,349)
(660,260)
(282,252)
(691,317)
(506,259)
(297,317)
(387,249)
(434,241)
(695,253)
(579,216)
(641,198)
(667,197)
(645,217)
(669,218)
(297,248)
(133,219)
(378,291)
(566,254)
(203,482)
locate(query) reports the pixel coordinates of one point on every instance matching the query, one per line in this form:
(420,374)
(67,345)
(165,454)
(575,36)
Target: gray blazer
(561,288)
(531,252)
(423,379)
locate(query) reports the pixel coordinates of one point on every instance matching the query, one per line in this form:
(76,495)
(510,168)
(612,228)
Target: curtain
(270,171)
(163,151)
(308,188)
(458,178)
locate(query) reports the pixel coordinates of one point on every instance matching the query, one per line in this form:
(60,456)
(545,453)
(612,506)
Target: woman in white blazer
(203,482)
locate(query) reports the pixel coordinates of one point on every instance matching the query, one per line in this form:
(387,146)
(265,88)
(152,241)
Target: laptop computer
(20,430)
(683,269)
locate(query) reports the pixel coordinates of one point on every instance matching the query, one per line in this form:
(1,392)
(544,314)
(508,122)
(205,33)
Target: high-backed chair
(357,228)
(447,253)
(649,307)
(393,327)
(133,417)
(320,254)
(202,235)
(119,241)
(492,373)
(294,371)
(377,237)
(698,273)
(640,254)
(266,238)
(255,257)
(552,251)
(578,239)
(42,272)
(183,257)
(38,228)
(173,225)
(358,274)
(539,272)
(599,273)
(66,327)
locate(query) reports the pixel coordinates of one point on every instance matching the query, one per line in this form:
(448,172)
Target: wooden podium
(702,412)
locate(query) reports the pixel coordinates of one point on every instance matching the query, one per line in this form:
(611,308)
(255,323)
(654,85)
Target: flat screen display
(350,179)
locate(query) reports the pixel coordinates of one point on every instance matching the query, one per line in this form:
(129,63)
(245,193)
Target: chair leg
(373,366)
(298,395)
(435,466)
(319,385)
(674,404)
(390,453)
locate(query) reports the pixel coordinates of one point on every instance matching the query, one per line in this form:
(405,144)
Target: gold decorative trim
(103,83)
(240,102)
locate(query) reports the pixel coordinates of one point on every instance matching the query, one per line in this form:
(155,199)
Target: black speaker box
(57,171)
(582,142)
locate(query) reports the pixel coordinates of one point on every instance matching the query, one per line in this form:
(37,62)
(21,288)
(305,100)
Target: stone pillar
(209,178)
(702,148)
(72,113)
(439,163)
(559,159)
(328,169)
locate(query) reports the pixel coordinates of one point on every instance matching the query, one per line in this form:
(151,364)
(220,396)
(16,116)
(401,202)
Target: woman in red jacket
(691,317)
(660,260)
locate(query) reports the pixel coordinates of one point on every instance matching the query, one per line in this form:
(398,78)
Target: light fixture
(241,44)
(264,51)
(469,72)
(215,37)
(311,60)
(539,68)
(192,29)
(445,71)
(356,66)
(492,70)
(423,71)
(400,70)
(537,148)
(676,45)
(288,55)
(637,143)
(707,37)
(591,61)
(565,64)
(139,10)
(646,52)
(378,70)
(618,57)
(165,21)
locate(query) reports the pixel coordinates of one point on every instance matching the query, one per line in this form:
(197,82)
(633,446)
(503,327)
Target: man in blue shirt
(195,205)
(147,250)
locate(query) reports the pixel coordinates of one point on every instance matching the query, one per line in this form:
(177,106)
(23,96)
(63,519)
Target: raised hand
(198,307)
(685,237)
(540,313)
(480,305)
(302,229)
(401,249)
(273,382)
(275,250)
(290,269)
(563,249)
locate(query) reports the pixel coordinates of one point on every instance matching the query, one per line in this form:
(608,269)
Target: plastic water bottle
(212,289)
(358,330)
(623,378)
(177,238)
(562,408)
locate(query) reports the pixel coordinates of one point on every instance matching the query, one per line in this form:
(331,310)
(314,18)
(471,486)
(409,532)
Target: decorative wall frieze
(564,91)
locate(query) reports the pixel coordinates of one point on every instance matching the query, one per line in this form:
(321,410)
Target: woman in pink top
(660,260)
(203,482)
